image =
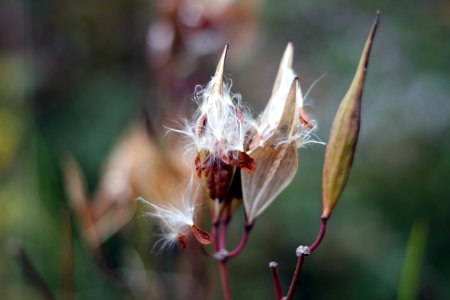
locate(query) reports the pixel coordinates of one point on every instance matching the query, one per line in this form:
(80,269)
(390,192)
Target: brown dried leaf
(76,192)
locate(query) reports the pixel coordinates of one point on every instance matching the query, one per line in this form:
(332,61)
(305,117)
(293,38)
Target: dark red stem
(276,280)
(30,271)
(225,280)
(323,228)
(298,270)
(223,230)
(214,233)
(243,243)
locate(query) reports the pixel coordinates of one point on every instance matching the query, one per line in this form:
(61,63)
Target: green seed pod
(344,134)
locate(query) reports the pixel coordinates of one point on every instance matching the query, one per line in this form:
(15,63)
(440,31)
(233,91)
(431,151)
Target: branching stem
(301,259)
(242,244)
(219,232)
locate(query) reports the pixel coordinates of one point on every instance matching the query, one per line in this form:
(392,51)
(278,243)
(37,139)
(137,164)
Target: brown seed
(201,235)
(182,241)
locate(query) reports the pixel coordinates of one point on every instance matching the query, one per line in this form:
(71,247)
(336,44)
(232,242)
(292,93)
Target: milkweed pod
(344,133)
(276,163)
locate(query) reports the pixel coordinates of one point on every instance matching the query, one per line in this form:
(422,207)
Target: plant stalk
(276,280)
(225,280)
(242,244)
(301,258)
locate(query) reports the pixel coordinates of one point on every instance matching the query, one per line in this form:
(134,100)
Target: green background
(75,74)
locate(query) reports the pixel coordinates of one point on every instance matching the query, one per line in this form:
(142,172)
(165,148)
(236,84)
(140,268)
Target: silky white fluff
(175,218)
(219,123)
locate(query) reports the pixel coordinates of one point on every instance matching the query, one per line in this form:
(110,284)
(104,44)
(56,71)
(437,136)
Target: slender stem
(243,243)
(223,230)
(298,270)
(301,258)
(67,263)
(214,233)
(30,271)
(323,228)
(276,279)
(220,246)
(225,280)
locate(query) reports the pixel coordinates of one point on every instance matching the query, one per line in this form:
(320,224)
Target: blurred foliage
(75,74)
(412,265)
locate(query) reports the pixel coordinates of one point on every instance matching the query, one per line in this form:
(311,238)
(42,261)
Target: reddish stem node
(243,243)
(301,258)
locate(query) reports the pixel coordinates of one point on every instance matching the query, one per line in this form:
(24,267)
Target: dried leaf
(344,134)
(76,192)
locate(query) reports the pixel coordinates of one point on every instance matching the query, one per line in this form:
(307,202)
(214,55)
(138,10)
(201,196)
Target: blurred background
(86,88)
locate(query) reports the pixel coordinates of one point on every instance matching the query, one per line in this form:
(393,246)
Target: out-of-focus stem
(276,279)
(224,230)
(214,233)
(68,258)
(301,259)
(219,232)
(225,280)
(30,271)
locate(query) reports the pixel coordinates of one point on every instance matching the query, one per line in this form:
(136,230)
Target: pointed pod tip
(218,76)
(287,120)
(288,56)
(224,54)
(289,47)
(376,22)
(285,64)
